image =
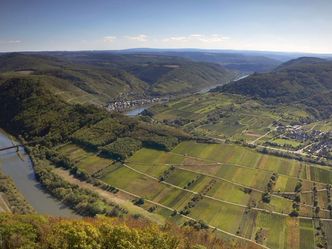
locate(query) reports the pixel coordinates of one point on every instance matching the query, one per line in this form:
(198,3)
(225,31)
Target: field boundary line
(168,208)
(212,198)
(185,216)
(186,190)
(246,167)
(239,184)
(244,186)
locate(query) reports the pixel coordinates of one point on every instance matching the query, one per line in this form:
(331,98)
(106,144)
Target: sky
(268,25)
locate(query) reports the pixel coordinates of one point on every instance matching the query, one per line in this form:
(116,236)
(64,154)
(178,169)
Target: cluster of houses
(323,146)
(122,105)
(318,142)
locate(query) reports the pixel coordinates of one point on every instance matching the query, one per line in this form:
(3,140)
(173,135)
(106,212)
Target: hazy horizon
(278,26)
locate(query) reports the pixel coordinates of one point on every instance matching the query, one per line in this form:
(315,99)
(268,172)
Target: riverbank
(140,108)
(19,168)
(11,200)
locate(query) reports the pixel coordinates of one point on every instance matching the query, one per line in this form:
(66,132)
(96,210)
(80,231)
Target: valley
(251,173)
(220,184)
(165,124)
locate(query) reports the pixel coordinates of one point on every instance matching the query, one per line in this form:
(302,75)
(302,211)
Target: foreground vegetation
(33,231)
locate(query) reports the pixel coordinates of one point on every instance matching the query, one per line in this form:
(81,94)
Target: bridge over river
(19,167)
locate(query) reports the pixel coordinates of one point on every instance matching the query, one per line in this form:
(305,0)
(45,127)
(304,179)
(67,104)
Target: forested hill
(86,76)
(29,109)
(304,80)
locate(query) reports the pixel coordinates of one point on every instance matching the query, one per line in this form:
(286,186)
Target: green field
(232,178)
(86,161)
(229,116)
(283,142)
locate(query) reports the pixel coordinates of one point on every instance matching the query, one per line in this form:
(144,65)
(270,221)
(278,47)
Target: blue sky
(275,25)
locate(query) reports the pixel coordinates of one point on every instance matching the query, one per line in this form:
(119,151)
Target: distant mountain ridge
(103,76)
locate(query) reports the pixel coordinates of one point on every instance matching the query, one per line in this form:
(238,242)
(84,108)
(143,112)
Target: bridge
(17,146)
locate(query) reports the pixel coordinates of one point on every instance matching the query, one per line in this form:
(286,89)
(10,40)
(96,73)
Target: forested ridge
(29,110)
(306,81)
(99,77)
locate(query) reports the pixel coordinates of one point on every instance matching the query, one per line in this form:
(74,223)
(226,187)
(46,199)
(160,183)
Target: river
(21,171)
(138,110)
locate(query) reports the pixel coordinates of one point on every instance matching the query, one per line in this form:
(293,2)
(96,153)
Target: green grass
(154,170)
(145,187)
(181,178)
(327,226)
(150,156)
(229,192)
(306,234)
(234,163)
(241,119)
(221,215)
(275,227)
(321,175)
(282,142)
(85,161)
(237,155)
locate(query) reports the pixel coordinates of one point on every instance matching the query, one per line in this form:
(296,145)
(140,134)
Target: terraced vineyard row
(222,185)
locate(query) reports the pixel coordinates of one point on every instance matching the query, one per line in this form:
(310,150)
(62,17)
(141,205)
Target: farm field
(225,116)
(86,161)
(282,142)
(222,185)
(235,155)
(325,125)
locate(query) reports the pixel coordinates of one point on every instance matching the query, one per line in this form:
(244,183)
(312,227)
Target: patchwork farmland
(226,116)
(222,185)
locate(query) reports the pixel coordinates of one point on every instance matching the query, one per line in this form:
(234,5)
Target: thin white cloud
(201,38)
(196,35)
(213,38)
(176,38)
(109,39)
(140,38)
(10,42)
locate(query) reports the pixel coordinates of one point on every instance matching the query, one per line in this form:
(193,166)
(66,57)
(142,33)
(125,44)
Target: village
(123,105)
(314,142)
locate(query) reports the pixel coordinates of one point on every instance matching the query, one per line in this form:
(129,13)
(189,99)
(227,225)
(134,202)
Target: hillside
(89,77)
(164,74)
(107,164)
(304,80)
(29,109)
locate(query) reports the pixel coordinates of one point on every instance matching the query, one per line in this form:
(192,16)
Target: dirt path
(187,190)
(112,197)
(259,138)
(300,151)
